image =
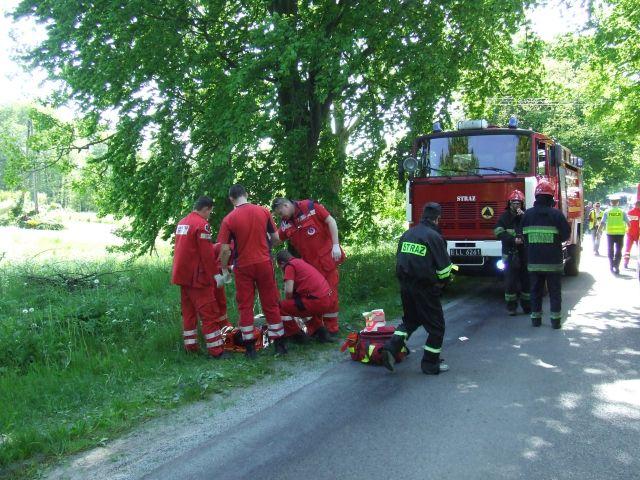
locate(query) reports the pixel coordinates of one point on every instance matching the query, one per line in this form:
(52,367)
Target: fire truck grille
(469,215)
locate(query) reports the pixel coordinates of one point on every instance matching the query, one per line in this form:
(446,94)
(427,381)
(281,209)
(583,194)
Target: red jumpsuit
(310,236)
(194,265)
(221,296)
(248,227)
(312,297)
(632,233)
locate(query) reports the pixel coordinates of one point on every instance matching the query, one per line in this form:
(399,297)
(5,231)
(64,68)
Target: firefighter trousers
(201,302)
(260,276)
(422,307)
(516,284)
(310,309)
(538,281)
(615,250)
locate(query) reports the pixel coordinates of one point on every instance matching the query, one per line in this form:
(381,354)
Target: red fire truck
(471,171)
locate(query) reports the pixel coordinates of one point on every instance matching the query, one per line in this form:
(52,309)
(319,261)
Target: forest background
(179,98)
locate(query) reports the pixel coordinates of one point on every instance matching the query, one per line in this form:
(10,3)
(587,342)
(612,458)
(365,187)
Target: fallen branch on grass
(70,281)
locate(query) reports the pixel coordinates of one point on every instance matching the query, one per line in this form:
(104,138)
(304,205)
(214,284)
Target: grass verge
(82,362)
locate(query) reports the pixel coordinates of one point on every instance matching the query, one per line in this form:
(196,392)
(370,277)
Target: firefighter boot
(280,345)
(391,348)
(512,308)
(556,321)
(432,364)
(250,349)
(526,306)
(536,319)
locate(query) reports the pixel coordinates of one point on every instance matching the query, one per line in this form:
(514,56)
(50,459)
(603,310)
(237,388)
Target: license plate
(465,252)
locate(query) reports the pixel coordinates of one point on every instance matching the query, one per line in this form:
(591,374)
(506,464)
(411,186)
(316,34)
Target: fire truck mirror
(556,157)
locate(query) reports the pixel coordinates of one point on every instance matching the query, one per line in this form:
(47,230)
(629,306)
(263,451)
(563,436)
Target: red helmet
(544,188)
(516,196)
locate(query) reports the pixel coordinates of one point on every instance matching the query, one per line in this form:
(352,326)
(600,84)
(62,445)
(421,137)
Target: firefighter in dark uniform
(509,231)
(423,268)
(545,228)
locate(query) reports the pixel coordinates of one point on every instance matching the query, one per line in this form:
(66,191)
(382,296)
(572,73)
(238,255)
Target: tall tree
(267,92)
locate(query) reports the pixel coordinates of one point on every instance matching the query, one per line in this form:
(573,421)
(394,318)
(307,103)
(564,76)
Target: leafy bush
(37,224)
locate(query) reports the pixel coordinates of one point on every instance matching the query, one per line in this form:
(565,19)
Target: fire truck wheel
(572,266)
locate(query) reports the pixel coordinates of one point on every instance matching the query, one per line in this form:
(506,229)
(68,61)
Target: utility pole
(34,173)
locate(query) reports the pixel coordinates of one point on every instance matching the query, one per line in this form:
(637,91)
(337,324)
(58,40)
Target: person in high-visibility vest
(633,233)
(614,222)
(595,217)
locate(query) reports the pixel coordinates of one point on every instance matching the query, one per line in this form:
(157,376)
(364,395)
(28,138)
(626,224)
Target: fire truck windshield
(495,154)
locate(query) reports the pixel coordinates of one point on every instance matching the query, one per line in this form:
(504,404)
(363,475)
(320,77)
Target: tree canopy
(288,97)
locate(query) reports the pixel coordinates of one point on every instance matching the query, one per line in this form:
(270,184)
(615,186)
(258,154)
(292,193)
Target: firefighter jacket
(544,229)
(509,226)
(194,259)
(422,255)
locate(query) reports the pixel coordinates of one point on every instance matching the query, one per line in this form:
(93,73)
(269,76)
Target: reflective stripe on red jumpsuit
(311,237)
(632,233)
(194,265)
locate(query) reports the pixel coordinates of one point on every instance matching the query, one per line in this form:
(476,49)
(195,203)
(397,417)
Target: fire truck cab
(471,171)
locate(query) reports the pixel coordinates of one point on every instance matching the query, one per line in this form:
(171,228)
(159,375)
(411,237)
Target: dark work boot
(536,319)
(430,368)
(512,308)
(526,306)
(322,335)
(280,345)
(300,338)
(250,349)
(391,348)
(556,321)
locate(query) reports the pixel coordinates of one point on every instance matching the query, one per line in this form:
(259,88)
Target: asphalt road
(518,402)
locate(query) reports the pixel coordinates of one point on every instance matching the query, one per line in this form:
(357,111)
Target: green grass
(80,366)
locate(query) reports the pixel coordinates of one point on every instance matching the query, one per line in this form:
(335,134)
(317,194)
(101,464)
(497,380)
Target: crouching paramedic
(516,277)
(423,268)
(194,267)
(307,294)
(313,232)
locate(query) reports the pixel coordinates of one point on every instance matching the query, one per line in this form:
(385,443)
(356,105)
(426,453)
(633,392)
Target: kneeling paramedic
(516,277)
(307,295)
(423,268)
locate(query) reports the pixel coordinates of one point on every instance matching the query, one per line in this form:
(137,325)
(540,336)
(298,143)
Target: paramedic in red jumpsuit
(307,293)
(313,232)
(633,232)
(194,267)
(251,228)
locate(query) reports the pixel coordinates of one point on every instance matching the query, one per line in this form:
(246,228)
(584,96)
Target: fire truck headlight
(500,265)
(410,165)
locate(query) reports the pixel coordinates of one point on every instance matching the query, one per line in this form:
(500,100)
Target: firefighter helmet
(544,188)
(516,196)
